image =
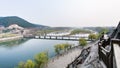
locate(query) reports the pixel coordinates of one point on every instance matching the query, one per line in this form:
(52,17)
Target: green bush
(28,64)
(82,42)
(41,59)
(92,36)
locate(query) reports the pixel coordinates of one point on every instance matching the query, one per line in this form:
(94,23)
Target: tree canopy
(92,36)
(82,42)
(27,64)
(77,31)
(62,47)
(41,59)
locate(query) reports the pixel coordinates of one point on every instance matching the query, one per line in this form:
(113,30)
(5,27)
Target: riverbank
(68,57)
(63,60)
(6,39)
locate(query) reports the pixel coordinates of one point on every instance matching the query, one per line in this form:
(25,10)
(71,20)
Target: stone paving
(64,60)
(92,60)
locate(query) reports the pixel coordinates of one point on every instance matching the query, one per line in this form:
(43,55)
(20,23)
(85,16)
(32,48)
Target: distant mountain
(99,29)
(7,21)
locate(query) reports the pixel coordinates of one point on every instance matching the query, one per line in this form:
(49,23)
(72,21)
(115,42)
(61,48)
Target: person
(102,36)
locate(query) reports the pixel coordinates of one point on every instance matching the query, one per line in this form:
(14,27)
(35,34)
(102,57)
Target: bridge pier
(56,37)
(61,37)
(44,37)
(50,37)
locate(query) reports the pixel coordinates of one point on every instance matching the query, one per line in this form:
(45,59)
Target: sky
(73,13)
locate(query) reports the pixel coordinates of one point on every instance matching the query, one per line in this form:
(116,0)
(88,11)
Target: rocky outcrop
(15,26)
(88,58)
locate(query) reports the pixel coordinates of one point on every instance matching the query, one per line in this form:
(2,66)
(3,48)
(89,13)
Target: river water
(11,53)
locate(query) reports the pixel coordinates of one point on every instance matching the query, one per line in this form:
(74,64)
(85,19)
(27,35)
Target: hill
(7,21)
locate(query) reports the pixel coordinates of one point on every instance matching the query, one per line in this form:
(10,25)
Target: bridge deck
(73,38)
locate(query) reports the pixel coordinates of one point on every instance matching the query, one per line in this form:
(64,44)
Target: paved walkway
(65,59)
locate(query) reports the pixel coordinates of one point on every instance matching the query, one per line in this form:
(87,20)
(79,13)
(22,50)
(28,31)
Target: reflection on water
(13,43)
(12,52)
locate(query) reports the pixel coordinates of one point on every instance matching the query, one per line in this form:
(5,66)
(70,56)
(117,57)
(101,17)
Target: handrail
(107,56)
(104,54)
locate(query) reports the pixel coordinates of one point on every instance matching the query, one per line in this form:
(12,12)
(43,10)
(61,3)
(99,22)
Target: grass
(5,35)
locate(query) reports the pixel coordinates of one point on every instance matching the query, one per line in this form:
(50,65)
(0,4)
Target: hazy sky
(64,12)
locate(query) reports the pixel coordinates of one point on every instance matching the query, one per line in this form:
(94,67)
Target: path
(63,61)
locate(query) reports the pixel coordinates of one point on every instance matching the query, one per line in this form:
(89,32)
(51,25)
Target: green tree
(67,46)
(57,48)
(82,42)
(62,47)
(29,64)
(41,59)
(92,36)
(103,30)
(77,31)
(21,65)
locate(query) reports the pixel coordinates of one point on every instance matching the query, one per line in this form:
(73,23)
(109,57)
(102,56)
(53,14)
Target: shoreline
(62,60)
(10,38)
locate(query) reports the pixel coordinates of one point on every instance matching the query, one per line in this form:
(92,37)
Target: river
(11,53)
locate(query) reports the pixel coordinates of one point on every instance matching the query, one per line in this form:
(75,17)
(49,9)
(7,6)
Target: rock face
(88,58)
(15,26)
